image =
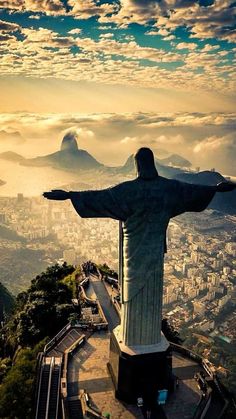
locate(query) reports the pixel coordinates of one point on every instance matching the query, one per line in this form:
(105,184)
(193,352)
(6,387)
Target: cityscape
(200,264)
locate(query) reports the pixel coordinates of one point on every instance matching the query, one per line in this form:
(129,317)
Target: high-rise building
(195,257)
(20,198)
(231,248)
(198,308)
(210,295)
(226,270)
(2,217)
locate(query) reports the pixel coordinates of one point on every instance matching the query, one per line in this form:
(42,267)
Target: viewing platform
(86,388)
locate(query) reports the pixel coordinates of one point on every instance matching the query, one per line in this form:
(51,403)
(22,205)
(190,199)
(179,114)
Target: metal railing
(55,339)
(54,394)
(46,389)
(203,406)
(39,384)
(49,386)
(64,389)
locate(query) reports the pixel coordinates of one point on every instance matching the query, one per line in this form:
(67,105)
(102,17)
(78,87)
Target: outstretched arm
(106,203)
(225,186)
(57,195)
(191,197)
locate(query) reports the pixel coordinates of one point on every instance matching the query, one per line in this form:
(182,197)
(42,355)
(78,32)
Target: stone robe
(145,208)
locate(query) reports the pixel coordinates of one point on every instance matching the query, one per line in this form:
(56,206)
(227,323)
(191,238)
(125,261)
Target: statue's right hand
(56,194)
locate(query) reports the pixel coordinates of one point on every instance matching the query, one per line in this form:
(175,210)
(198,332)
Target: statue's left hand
(57,194)
(225,186)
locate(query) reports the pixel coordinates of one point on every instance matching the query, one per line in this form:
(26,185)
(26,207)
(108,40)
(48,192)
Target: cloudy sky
(121,74)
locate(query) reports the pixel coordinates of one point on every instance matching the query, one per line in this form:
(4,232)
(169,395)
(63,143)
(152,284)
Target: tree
(5,365)
(105,270)
(6,300)
(170,333)
(42,310)
(16,390)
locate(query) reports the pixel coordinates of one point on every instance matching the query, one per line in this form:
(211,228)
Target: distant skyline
(121,74)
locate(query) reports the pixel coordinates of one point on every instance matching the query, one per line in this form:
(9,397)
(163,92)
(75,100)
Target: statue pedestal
(139,371)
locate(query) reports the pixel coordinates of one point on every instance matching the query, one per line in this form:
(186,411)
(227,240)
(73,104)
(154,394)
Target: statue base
(139,371)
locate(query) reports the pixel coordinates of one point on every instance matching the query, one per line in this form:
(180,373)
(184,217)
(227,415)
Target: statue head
(145,165)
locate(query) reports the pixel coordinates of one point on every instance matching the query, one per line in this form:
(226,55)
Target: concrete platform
(182,404)
(87,370)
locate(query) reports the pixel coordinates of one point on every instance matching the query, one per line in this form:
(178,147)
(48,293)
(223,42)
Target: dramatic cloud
(189,120)
(84,9)
(186,45)
(169,38)
(168,140)
(79,133)
(127,49)
(176,58)
(127,140)
(203,21)
(214,143)
(45,38)
(76,31)
(214,20)
(219,151)
(8,26)
(36,17)
(50,7)
(210,48)
(10,137)
(207,140)
(106,35)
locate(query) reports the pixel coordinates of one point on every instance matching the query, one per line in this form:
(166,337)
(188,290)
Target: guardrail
(203,406)
(116,304)
(94,302)
(64,388)
(205,364)
(84,296)
(88,410)
(41,360)
(85,282)
(49,386)
(37,380)
(55,339)
(187,352)
(216,385)
(117,307)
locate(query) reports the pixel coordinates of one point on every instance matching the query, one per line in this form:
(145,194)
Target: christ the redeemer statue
(145,206)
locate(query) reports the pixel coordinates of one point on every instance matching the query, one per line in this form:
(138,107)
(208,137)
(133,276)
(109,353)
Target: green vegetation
(39,313)
(72,281)
(18,266)
(170,333)
(6,299)
(105,270)
(42,310)
(17,388)
(223,353)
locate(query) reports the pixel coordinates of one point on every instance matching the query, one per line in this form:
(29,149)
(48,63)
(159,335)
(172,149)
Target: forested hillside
(38,314)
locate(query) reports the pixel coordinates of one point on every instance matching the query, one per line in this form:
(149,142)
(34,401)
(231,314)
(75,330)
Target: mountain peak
(175,160)
(69,142)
